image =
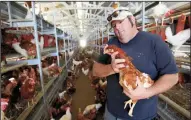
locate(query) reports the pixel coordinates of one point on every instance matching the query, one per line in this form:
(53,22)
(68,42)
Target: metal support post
(143,16)
(9,11)
(38,54)
(65,50)
(56,39)
(102,31)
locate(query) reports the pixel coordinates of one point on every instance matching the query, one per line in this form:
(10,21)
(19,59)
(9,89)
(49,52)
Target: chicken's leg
(131,106)
(17,107)
(128,102)
(131,109)
(32,103)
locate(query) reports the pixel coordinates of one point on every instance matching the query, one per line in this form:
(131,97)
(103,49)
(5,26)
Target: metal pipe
(65,50)
(9,11)
(172,17)
(176,16)
(102,32)
(38,53)
(147,8)
(175,106)
(56,39)
(143,16)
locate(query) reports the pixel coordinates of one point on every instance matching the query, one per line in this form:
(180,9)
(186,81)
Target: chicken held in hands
(129,75)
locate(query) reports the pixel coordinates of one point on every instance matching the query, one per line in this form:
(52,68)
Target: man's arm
(163,84)
(102,70)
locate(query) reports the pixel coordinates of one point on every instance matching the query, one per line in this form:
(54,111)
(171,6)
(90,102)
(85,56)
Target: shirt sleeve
(104,58)
(165,62)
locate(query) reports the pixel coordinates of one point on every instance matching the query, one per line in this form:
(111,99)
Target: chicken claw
(131,106)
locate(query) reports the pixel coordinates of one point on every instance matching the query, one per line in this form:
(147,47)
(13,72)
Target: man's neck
(133,35)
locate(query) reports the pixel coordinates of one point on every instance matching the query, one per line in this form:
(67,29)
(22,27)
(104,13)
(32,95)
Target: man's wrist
(112,68)
(150,92)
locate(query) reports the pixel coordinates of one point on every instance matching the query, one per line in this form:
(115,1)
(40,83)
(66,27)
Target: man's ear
(133,20)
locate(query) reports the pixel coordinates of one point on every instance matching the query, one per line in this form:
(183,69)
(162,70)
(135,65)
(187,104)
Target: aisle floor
(83,96)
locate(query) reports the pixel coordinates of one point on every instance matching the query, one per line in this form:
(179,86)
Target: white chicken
(101,83)
(67,116)
(61,95)
(70,53)
(85,71)
(72,67)
(76,62)
(29,13)
(90,52)
(160,12)
(180,54)
(16,46)
(90,107)
(177,40)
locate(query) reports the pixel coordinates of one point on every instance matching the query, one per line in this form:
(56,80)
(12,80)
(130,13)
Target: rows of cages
(51,50)
(34,59)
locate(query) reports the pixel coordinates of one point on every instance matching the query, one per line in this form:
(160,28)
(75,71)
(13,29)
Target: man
(150,55)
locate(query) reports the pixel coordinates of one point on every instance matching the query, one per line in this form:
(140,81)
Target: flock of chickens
(20,86)
(25,44)
(61,106)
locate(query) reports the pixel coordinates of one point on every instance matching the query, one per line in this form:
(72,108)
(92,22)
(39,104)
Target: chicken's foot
(128,102)
(131,106)
(131,109)
(32,101)
(18,107)
(181,85)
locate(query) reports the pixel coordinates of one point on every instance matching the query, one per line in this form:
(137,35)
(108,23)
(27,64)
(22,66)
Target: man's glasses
(114,15)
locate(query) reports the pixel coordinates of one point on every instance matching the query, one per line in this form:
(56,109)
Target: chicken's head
(31,81)
(121,54)
(113,48)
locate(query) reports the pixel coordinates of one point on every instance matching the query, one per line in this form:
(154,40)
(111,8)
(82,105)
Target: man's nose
(117,26)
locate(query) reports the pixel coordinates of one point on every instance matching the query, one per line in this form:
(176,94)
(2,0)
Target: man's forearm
(163,84)
(101,70)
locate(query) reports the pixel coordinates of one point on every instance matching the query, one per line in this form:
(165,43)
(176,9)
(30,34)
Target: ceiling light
(82,43)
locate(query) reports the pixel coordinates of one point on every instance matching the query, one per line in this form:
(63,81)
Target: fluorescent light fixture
(83,43)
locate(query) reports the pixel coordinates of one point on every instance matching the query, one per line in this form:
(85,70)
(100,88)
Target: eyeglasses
(115,14)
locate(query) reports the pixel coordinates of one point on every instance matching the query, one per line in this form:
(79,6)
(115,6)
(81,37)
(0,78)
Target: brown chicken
(28,89)
(181,80)
(9,87)
(54,70)
(129,74)
(60,44)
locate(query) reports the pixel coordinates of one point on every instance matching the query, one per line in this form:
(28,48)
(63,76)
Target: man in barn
(149,55)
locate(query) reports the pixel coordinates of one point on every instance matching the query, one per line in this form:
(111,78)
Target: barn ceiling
(82,19)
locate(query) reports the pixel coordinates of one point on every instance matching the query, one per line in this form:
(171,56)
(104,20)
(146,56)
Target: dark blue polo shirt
(150,55)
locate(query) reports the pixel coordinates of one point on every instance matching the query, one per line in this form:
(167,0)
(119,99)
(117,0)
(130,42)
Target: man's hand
(116,64)
(139,93)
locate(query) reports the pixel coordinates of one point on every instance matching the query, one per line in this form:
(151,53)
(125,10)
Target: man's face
(123,29)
